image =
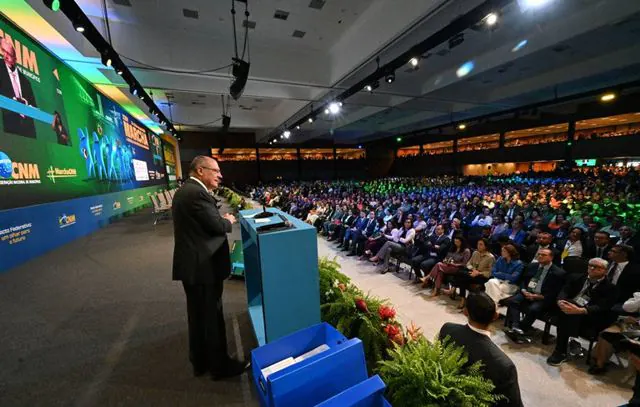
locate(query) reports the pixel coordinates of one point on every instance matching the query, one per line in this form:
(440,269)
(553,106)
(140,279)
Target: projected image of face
(8,53)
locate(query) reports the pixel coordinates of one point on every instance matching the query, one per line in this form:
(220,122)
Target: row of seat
(162,202)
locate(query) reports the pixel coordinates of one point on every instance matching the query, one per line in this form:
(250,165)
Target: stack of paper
(283,364)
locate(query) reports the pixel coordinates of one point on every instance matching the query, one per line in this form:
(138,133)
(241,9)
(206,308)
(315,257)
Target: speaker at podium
(281,273)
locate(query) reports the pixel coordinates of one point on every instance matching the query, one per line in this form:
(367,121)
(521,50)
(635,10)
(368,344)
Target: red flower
(361,305)
(386,312)
(391,331)
(398,339)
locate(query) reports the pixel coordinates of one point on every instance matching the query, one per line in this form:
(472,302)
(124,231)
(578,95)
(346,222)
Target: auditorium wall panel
(275,170)
(607,147)
(379,161)
(351,169)
(317,169)
(239,172)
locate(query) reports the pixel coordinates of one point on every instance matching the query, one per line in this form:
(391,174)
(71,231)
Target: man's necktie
(612,271)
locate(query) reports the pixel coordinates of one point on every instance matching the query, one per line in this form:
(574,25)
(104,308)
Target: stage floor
(541,385)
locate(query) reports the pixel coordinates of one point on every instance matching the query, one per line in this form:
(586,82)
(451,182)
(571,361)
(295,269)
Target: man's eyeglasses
(595,266)
(210,169)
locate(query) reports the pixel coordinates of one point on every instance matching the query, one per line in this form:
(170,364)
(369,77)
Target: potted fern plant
(423,373)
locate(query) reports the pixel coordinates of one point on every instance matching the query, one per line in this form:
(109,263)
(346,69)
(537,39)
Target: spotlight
(462,126)
(465,69)
(106,59)
(608,97)
(491,19)
(78,27)
(297,127)
(527,4)
(310,120)
(360,146)
(119,70)
(390,78)
(399,139)
(368,88)
(340,104)
(414,62)
(286,134)
(519,46)
(133,90)
(282,136)
(326,111)
(54,5)
(334,108)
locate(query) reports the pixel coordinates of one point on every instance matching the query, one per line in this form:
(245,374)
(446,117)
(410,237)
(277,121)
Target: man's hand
(571,309)
(230,218)
(474,273)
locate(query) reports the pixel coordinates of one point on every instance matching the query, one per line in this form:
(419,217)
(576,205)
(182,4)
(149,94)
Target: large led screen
(59,137)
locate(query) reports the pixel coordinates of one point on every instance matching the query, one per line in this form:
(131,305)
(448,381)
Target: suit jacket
(590,251)
(13,122)
(628,283)
(201,250)
(368,230)
(497,366)
(552,283)
(603,296)
(533,249)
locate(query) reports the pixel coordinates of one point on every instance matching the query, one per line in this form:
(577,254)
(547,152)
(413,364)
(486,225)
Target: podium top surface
(246,218)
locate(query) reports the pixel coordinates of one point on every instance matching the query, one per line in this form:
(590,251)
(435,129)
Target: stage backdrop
(68,154)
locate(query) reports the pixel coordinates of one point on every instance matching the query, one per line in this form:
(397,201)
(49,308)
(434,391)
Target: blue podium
(281,274)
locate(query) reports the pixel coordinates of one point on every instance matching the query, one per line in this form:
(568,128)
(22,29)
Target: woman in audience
(457,257)
(405,240)
(573,247)
(478,270)
(505,274)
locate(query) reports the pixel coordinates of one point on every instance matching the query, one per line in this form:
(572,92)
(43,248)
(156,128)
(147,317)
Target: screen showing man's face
(8,53)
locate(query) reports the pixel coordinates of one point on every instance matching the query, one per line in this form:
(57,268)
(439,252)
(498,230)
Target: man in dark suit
(201,261)
(358,226)
(362,233)
(15,86)
(430,251)
(539,291)
(544,240)
(585,302)
(622,273)
(475,339)
(599,246)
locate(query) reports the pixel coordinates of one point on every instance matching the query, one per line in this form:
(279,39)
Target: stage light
(465,69)
(390,78)
(297,127)
(54,5)
(491,19)
(133,90)
(368,88)
(119,71)
(334,107)
(414,62)
(360,146)
(106,59)
(462,126)
(78,27)
(310,120)
(527,4)
(399,139)
(326,111)
(608,97)
(286,134)
(519,46)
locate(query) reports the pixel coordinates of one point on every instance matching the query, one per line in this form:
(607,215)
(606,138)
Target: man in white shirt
(483,219)
(17,87)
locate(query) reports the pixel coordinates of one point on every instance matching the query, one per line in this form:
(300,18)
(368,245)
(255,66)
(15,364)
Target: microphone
(263,214)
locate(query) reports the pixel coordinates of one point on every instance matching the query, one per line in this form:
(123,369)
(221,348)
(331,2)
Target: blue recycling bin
(369,393)
(313,380)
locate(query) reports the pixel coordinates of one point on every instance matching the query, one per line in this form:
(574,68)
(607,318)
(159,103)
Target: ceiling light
(54,5)
(286,134)
(119,70)
(608,97)
(462,126)
(491,19)
(465,69)
(133,90)
(310,120)
(399,139)
(519,46)
(106,59)
(390,78)
(78,27)
(368,88)
(334,108)
(527,4)
(297,127)
(326,111)
(414,62)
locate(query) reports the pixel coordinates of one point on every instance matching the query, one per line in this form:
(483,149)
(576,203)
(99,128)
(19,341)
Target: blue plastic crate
(369,393)
(315,379)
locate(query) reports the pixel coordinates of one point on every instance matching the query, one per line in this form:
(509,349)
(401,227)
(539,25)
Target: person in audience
(454,229)
(614,229)
(475,338)
(543,241)
(330,224)
(505,274)
(357,227)
(573,246)
(361,234)
(499,226)
(539,290)
(347,221)
(373,243)
(516,233)
(429,251)
(584,302)
(622,273)
(478,270)
(603,350)
(599,246)
(405,239)
(457,257)
(585,223)
(627,237)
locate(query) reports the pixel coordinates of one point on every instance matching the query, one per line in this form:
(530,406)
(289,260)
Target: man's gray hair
(198,162)
(597,261)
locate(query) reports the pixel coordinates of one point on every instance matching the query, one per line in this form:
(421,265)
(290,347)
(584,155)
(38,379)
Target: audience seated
(455,259)
(478,270)
(505,274)
(401,245)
